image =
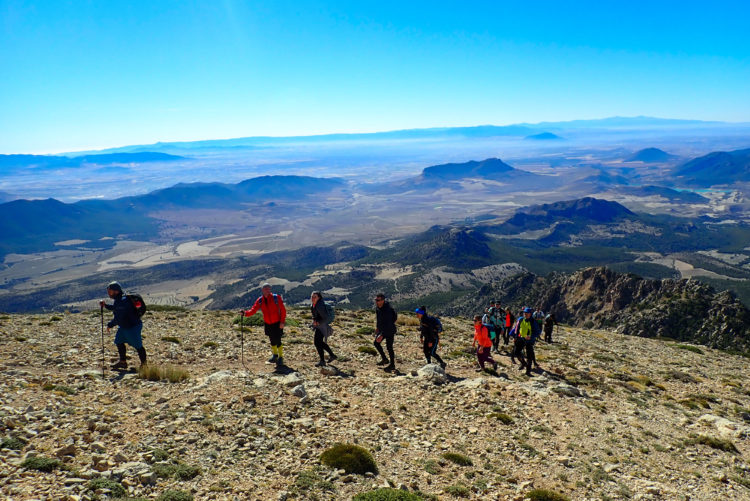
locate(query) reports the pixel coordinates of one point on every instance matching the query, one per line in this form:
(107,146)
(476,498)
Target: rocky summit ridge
(683,310)
(607,416)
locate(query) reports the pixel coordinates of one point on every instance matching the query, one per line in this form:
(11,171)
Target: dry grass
(159,373)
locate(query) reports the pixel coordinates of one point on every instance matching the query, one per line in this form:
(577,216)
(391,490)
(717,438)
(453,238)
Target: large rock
(433,373)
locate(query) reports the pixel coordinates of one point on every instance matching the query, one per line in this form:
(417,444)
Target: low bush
(210,344)
(387,494)
(458,459)
(370,350)
(13,443)
(178,471)
(116,489)
(171,339)
(458,491)
(365,331)
(170,373)
(173,495)
(502,417)
(40,464)
(720,444)
(350,458)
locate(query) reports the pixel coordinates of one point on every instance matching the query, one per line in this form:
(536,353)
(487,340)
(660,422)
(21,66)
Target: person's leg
(269,328)
(518,352)
(530,359)
(318,341)
(427,350)
(122,353)
(389,346)
(142,354)
(383,360)
(434,354)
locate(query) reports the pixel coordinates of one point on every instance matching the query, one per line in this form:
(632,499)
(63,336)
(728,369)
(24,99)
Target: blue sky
(94,74)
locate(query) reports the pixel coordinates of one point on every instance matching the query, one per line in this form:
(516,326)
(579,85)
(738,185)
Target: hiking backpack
(330,311)
(438,325)
(138,303)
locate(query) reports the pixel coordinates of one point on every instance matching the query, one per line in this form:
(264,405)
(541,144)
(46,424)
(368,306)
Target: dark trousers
(506,335)
(548,334)
(274,333)
(484,355)
(122,351)
(519,346)
(320,343)
(498,333)
(389,346)
(431,351)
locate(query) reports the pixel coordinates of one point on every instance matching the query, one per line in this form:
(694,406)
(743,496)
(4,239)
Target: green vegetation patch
(171,339)
(387,494)
(174,495)
(545,495)
(210,344)
(370,350)
(116,489)
(350,458)
(311,479)
(13,443)
(40,464)
(365,331)
(689,347)
(59,388)
(458,491)
(458,459)
(159,373)
(713,442)
(502,417)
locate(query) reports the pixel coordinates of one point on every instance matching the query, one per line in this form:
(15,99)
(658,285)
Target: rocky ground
(608,417)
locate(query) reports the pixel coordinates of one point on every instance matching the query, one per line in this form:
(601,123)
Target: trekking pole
(242,340)
(101,314)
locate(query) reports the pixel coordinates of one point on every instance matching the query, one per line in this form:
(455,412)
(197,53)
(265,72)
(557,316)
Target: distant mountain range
(688,197)
(714,169)
(651,155)
(544,136)
(34,226)
(9,163)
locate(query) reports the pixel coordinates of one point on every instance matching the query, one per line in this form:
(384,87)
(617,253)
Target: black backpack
(138,303)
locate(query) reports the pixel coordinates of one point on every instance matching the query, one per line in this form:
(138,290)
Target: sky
(80,75)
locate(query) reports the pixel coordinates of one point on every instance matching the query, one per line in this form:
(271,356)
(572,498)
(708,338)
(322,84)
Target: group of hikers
(489,328)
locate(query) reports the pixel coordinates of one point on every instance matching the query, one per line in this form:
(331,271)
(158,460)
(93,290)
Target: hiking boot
(274,358)
(280,362)
(528,373)
(479,369)
(332,358)
(442,365)
(390,368)
(522,367)
(494,366)
(322,363)
(122,364)
(383,361)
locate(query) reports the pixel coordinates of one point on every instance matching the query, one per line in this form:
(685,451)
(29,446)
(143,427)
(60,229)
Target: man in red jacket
(274,318)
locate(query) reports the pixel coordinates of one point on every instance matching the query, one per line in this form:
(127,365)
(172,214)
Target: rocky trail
(608,417)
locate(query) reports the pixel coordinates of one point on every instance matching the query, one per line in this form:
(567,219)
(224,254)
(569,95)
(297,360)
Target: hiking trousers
(274,333)
(320,341)
(484,355)
(389,346)
(431,351)
(519,346)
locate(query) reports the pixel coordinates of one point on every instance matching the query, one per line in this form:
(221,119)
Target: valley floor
(609,417)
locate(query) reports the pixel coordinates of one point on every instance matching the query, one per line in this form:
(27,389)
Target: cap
(115,286)
(528,310)
(419,311)
(265,284)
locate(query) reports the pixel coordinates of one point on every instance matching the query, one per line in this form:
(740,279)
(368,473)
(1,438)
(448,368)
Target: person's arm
(282,310)
(252,311)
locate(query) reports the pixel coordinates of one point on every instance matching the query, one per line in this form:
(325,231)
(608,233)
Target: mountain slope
(717,168)
(650,155)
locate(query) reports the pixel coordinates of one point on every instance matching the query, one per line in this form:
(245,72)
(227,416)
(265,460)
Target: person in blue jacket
(525,332)
(129,325)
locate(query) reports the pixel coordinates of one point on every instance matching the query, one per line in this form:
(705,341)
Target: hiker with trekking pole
(274,320)
(127,311)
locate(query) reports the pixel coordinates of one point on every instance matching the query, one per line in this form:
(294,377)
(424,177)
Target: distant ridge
(488,168)
(586,210)
(544,136)
(12,162)
(650,155)
(717,168)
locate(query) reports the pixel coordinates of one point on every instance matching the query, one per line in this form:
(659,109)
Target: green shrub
(545,495)
(502,417)
(688,347)
(13,443)
(350,458)
(713,442)
(458,459)
(311,479)
(175,496)
(59,387)
(171,339)
(178,471)
(387,494)
(210,344)
(370,350)
(365,331)
(55,319)
(160,454)
(157,373)
(40,464)
(458,491)
(254,321)
(116,489)
(165,307)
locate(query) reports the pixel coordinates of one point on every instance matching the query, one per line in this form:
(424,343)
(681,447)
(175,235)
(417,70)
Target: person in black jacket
(429,335)
(320,324)
(385,329)
(129,325)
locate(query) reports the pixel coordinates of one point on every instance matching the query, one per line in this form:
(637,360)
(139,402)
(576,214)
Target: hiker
(497,321)
(482,344)
(274,319)
(526,331)
(322,329)
(509,319)
(129,325)
(385,329)
(429,335)
(538,315)
(549,324)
